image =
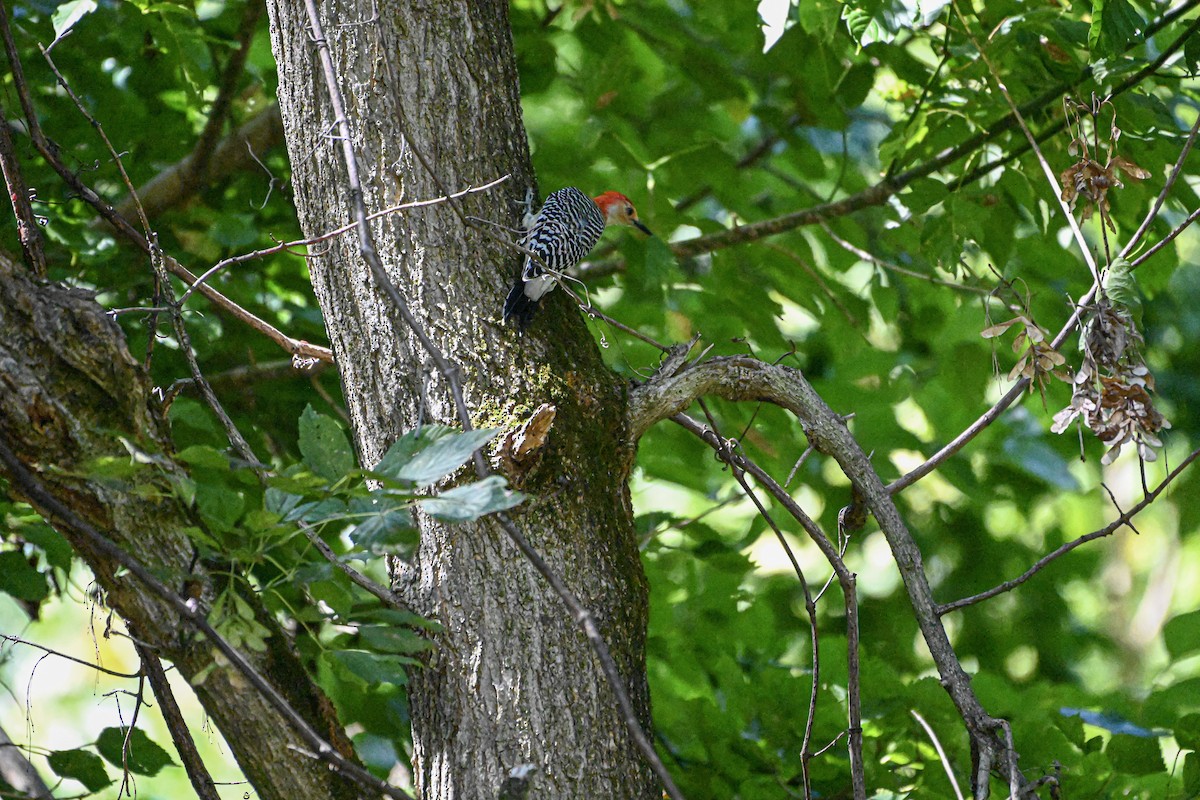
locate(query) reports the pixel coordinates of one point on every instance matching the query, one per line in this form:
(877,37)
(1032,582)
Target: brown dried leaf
(1131,169)
(992,331)
(1019,369)
(1067,178)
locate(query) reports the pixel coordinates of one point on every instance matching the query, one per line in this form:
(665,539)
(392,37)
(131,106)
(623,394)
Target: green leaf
(1191,52)
(1115,24)
(434,453)
(463,503)
(1120,284)
(57,549)
(386,528)
(820,17)
(145,757)
(1038,459)
(234,619)
(1135,755)
(324,446)
(80,765)
(21,580)
(1182,634)
(67,14)
(373,668)
(1187,731)
(219,505)
(402,641)
(1191,775)
(199,455)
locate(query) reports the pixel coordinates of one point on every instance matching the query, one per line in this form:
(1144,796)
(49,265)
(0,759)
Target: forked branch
(743,378)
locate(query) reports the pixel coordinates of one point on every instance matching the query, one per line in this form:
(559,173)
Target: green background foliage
(705,124)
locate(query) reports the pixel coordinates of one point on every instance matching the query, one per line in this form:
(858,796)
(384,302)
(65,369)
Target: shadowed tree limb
(71,395)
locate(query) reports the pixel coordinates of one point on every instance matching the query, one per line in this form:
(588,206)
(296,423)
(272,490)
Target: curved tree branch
(746,378)
(233,154)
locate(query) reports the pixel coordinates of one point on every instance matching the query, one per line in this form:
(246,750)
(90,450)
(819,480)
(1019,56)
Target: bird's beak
(638,224)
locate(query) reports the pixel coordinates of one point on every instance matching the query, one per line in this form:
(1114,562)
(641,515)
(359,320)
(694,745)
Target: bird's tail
(519,305)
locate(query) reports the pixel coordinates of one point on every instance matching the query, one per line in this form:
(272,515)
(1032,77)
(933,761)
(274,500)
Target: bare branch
(740,464)
(1152,214)
(112,151)
(386,596)
(1109,529)
(28,231)
(1159,245)
(181,735)
(232,155)
(18,773)
(745,378)
(43,648)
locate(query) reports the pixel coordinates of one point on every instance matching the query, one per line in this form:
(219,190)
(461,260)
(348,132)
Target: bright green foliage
(677,104)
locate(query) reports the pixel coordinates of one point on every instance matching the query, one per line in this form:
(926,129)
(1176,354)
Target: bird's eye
(629,210)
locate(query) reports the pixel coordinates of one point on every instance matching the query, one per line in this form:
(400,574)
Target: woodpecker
(562,233)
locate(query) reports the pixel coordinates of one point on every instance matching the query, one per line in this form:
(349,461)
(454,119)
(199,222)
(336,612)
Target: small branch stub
(521,448)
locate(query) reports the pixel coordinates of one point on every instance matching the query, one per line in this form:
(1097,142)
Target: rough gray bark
(512,680)
(70,393)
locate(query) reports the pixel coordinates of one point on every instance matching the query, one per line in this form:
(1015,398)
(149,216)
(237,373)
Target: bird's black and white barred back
(562,233)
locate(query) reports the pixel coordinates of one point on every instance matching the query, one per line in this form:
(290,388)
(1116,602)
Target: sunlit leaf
(464,503)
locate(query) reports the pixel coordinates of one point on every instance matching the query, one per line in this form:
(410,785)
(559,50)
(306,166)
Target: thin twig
(855,250)
(384,595)
(725,448)
(1121,521)
(206,391)
(139,699)
(596,313)
(324,237)
(1152,214)
(846,582)
(17,640)
(937,745)
(28,231)
(1051,178)
(120,165)
(817,279)
(1159,245)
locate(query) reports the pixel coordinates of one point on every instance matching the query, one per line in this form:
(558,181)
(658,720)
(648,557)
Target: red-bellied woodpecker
(562,233)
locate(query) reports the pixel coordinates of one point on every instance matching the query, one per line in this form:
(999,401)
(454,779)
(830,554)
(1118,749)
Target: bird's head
(618,210)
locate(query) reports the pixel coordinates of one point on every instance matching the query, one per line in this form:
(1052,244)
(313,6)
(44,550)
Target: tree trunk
(71,395)
(512,679)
